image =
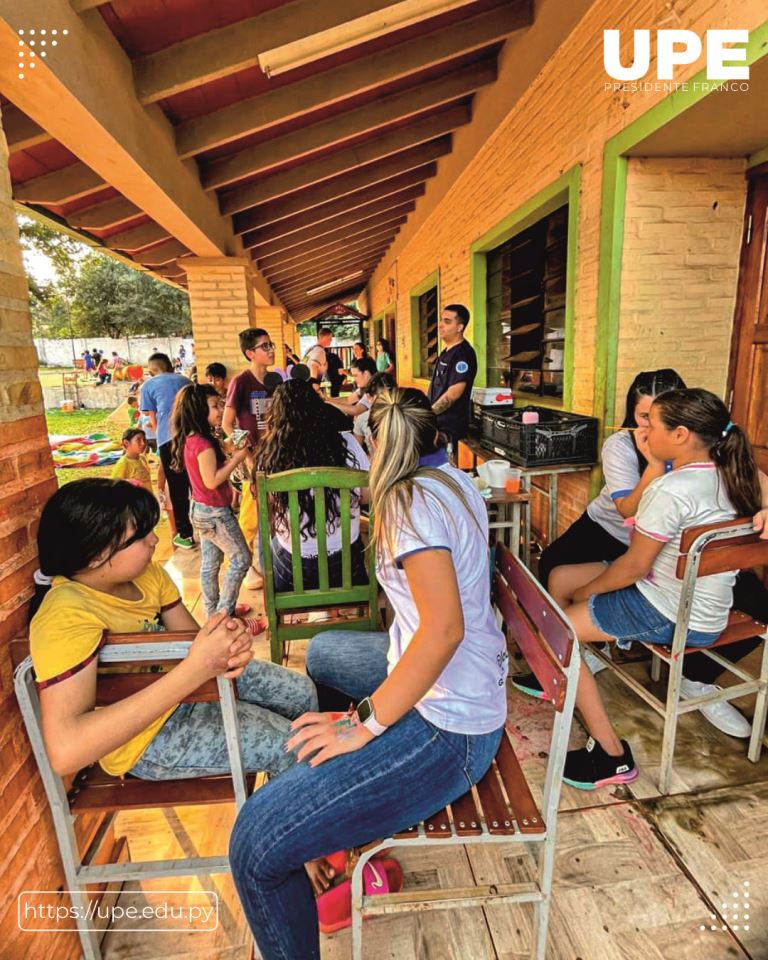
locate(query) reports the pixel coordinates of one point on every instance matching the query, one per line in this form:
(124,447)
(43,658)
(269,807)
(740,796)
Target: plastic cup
(513,480)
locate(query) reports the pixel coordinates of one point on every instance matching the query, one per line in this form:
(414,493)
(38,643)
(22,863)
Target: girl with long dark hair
(301,433)
(432,692)
(195,448)
(713,478)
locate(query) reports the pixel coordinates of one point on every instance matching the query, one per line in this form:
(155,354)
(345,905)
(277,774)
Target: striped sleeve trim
(654,536)
(170,606)
(410,553)
(42,684)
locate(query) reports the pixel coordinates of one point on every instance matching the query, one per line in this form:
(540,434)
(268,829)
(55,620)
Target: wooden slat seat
(516,812)
(94,790)
(740,627)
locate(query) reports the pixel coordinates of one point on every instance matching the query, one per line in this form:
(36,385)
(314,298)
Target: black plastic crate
(558,437)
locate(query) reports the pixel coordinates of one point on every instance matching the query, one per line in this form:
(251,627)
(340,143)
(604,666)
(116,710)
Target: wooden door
(748,373)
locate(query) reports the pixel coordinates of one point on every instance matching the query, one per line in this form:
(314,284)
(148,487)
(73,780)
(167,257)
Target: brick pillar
(28,853)
(222,303)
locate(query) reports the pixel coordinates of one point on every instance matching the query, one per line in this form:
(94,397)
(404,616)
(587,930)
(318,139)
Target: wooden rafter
(346,183)
(164,253)
(341,277)
(357,220)
(278,272)
(80,6)
(348,204)
(21,131)
(236,47)
(331,86)
(110,213)
(69,183)
(369,151)
(340,266)
(344,236)
(354,122)
(136,238)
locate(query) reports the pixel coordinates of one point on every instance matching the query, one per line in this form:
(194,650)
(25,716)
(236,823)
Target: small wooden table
(508,518)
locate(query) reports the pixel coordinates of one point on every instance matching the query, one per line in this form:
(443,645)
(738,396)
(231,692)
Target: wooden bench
(94,791)
(501,808)
(706,550)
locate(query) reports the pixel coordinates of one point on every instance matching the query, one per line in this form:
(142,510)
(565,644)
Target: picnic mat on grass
(92,450)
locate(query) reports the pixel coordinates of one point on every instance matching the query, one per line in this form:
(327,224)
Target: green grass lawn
(77,424)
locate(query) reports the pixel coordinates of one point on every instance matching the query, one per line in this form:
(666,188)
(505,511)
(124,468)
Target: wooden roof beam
(101,216)
(80,6)
(161,254)
(278,272)
(136,238)
(219,53)
(337,129)
(346,183)
(340,271)
(340,266)
(59,186)
(307,307)
(83,95)
(347,204)
(331,86)
(343,236)
(403,202)
(369,151)
(21,131)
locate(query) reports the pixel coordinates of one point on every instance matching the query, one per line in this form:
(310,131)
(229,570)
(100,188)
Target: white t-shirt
(317,355)
(469,696)
(622,474)
(687,497)
(357,459)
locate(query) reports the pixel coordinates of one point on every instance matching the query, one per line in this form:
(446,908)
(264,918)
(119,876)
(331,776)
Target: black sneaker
(528,684)
(591,767)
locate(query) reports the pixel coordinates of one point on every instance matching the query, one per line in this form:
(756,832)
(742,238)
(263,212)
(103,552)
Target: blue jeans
(399,778)
(220,536)
(191,742)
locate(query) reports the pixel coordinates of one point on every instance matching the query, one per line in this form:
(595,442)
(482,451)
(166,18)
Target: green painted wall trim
(432,280)
(612,217)
(566,189)
(613,205)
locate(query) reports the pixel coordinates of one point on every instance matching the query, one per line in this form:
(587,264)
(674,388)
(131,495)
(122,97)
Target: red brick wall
(28,853)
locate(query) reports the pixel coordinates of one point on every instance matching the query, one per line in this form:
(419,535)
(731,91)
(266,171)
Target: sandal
(334,907)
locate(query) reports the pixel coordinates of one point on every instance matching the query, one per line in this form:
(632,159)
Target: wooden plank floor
(637,876)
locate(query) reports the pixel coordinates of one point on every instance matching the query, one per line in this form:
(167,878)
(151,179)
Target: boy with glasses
(246,407)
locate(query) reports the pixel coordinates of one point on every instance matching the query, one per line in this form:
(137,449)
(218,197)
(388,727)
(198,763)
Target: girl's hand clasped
(327,735)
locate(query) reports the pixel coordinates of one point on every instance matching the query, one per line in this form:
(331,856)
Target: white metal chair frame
(673,707)
(538,892)
(78,874)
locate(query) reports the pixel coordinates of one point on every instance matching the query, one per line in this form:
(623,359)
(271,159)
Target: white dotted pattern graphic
(739,918)
(27,45)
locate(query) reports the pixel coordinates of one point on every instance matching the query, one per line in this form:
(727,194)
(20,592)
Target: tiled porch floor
(637,875)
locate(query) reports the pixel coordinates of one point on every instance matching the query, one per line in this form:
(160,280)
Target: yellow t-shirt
(134,471)
(69,629)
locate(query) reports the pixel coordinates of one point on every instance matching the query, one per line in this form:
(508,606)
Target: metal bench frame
(448,831)
(80,872)
(673,707)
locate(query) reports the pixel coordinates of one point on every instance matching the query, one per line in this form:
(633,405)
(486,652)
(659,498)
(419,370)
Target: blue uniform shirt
(457,364)
(158,394)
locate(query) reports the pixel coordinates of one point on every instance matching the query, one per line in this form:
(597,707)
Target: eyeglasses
(266,346)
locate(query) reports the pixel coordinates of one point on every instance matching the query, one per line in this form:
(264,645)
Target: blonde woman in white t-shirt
(431,698)
(714,477)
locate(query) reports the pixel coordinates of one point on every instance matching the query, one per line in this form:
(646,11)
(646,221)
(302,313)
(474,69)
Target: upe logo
(674,48)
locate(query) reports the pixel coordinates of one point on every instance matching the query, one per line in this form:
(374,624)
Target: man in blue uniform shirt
(450,390)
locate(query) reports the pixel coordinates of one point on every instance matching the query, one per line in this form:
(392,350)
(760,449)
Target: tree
(95,294)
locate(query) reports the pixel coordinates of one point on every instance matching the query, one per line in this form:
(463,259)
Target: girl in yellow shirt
(96,541)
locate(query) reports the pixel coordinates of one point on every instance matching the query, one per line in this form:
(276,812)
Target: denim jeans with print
(220,536)
(191,742)
(397,779)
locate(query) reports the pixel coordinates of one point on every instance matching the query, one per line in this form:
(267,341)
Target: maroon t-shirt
(248,397)
(222,495)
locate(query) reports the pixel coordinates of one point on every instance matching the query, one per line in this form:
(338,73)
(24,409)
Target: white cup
(497,472)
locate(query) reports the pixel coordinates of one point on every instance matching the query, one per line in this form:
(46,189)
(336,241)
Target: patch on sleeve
(462,366)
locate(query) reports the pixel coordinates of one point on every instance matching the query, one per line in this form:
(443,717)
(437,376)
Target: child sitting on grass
(96,541)
(133,465)
(714,478)
(195,449)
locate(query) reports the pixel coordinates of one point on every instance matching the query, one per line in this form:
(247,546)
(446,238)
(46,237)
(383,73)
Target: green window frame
(562,193)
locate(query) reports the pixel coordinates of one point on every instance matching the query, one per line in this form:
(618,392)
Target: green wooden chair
(299,600)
